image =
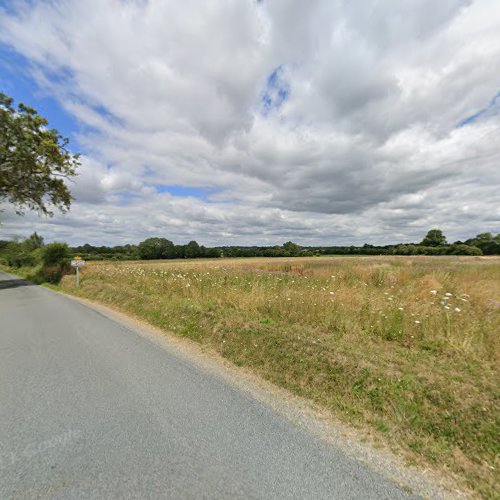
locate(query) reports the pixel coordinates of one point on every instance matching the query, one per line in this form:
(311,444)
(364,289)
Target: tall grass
(408,347)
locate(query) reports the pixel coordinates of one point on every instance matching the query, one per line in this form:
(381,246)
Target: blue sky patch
(8,6)
(276,92)
(492,109)
(201,193)
(17,82)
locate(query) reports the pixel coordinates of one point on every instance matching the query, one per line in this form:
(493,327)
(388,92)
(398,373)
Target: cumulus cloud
(322,122)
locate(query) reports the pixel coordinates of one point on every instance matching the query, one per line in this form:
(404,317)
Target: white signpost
(77,262)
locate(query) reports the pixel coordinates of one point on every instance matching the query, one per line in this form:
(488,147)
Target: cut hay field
(405,347)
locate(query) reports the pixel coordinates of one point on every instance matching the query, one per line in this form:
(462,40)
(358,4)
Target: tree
(34,160)
(34,241)
(434,238)
(464,250)
(192,250)
(291,249)
(489,244)
(213,252)
(484,237)
(55,254)
(156,248)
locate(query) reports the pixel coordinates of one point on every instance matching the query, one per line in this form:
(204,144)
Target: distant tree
(464,250)
(33,242)
(275,251)
(487,243)
(34,160)
(434,238)
(192,250)
(484,237)
(213,252)
(406,250)
(291,249)
(156,248)
(179,251)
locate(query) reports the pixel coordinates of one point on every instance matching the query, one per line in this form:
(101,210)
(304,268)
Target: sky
(326,122)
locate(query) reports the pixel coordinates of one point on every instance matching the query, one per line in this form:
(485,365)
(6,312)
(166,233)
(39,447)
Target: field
(406,347)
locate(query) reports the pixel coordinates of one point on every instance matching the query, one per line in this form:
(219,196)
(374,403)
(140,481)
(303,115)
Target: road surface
(91,409)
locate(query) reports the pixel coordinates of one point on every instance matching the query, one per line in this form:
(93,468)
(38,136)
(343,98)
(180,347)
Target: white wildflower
(457,309)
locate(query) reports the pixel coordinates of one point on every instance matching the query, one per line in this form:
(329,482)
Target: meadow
(406,348)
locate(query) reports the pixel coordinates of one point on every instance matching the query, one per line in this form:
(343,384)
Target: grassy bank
(407,347)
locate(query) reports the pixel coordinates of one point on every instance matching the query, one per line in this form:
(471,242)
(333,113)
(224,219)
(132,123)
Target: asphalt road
(91,409)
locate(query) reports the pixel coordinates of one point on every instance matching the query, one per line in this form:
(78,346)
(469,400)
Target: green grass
(374,340)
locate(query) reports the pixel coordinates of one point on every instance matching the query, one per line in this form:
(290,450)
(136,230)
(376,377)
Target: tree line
(32,250)
(434,243)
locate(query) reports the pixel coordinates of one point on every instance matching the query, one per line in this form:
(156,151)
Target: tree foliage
(34,241)
(156,248)
(151,248)
(17,254)
(192,250)
(291,249)
(55,254)
(34,160)
(489,244)
(434,238)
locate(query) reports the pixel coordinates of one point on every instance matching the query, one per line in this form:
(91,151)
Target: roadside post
(77,262)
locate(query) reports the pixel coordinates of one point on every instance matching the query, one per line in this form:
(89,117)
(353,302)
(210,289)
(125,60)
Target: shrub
(55,254)
(51,274)
(464,250)
(24,259)
(16,254)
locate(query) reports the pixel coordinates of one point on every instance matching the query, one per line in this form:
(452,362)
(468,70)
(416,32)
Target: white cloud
(364,146)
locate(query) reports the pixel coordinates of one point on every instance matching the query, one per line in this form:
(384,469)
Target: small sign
(77,262)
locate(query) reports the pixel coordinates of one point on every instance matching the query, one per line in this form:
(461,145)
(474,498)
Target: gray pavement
(91,409)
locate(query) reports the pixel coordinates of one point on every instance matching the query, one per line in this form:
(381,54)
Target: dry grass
(406,346)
